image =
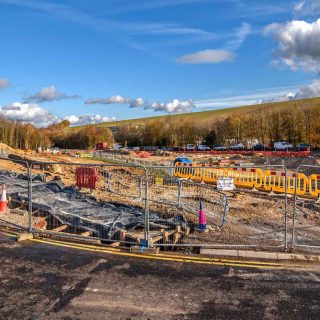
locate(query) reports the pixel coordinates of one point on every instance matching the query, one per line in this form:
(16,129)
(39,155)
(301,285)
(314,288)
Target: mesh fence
(306,212)
(14,178)
(131,204)
(102,201)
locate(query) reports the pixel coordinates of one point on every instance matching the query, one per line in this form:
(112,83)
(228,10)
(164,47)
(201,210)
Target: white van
(282,146)
(191,147)
(203,147)
(239,146)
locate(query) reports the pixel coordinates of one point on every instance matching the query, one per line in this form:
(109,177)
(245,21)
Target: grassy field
(207,116)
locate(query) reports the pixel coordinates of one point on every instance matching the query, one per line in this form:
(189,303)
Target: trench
(66,209)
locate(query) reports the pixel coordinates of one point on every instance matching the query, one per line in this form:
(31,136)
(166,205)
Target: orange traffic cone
(3,200)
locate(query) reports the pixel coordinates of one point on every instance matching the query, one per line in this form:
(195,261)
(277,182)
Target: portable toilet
(183,170)
(182,160)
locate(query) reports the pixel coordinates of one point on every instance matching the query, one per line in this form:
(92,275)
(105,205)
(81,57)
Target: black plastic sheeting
(68,206)
(17,183)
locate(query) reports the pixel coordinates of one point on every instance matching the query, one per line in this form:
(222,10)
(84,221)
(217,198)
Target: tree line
(22,136)
(86,137)
(298,122)
(25,136)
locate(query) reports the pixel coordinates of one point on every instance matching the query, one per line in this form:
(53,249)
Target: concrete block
(219,252)
(258,255)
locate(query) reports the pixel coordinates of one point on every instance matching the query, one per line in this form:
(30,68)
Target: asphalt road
(41,281)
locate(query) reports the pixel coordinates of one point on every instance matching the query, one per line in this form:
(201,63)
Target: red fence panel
(251,152)
(86,177)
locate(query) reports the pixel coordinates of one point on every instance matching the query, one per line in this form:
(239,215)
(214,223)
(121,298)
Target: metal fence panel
(165,206)
(124,182)
(82,199)
(177,201)
(14,175)
(214,202)
(266,226)
(306,211)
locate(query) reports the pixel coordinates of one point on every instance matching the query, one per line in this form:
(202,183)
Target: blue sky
(99,60)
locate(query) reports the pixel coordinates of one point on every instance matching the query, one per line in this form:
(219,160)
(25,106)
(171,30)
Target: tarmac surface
(44,281)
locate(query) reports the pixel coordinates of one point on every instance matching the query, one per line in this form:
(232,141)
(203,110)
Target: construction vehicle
(101,146)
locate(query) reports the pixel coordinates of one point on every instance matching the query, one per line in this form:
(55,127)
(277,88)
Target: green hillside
(208,116)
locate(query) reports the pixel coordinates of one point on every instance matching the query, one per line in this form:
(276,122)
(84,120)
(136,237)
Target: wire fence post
(179,192)
(29,199)
(140,185)
(108,181)
(286,209)
(294,206)
(146,211)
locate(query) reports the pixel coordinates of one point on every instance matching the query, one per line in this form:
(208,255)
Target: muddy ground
(252,218)
(40,281)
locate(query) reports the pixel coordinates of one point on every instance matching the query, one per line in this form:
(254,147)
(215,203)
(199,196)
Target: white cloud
(29,113)
(175,106)
(39,117)
(310,91)
(284,97)
(267,95)
(225,54)
(4,83)
(137,102)
(207,56)
(235,101)
(298,44)
(113,27)
(240,35)
(154,4)
(117,99)
(87,119)
(309,8)
(48,94)
(299,5)
(112,99)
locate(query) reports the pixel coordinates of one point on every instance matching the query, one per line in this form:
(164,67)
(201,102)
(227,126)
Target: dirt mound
(4,150)
(55,168)
(237,157)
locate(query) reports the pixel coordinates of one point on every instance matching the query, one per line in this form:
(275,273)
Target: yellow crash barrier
(268,180)
(302,184)
(314,185)
(246,177)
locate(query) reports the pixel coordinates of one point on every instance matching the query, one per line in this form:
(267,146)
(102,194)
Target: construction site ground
(44,281)
(252,218)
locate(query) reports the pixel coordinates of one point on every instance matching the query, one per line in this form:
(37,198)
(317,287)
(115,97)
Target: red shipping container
(101,146)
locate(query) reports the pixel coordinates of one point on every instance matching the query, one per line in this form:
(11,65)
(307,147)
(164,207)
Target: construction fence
(165,206)
(274,153)
(120,158)
(261,178)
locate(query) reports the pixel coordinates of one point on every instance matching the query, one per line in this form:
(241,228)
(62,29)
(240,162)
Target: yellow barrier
(268,180)
(246,177)
(302,184)
(275,181)
(314,185)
